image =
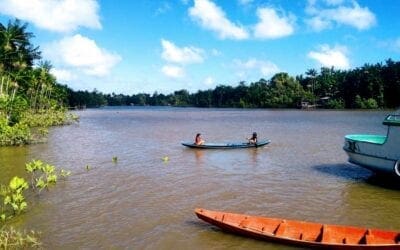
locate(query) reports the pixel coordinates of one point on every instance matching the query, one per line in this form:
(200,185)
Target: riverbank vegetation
(368,87)
(30,98)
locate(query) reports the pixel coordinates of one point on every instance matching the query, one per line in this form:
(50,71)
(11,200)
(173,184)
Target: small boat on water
(380,153)
(226,145)
(302,233)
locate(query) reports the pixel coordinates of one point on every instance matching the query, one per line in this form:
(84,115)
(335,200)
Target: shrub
(335,104)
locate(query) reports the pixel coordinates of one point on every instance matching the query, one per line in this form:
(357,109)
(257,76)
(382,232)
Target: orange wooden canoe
(302,233)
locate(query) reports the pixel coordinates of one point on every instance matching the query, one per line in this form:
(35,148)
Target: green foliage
(363,103)
(13,198)
(46,118)
(64,173)
(23,132)
(13,239)
(115,159)
(13,202)
(43,175)
(18,134)
(334,104)
(29,96)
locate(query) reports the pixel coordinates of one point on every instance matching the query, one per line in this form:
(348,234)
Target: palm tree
(16,51)
(42,85)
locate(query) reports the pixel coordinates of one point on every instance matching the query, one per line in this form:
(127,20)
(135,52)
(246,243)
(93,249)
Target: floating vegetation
(65,173)
(115,159)
(165,159)
(43,175)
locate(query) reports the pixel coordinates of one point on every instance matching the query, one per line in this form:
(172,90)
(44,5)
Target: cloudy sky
(139,46)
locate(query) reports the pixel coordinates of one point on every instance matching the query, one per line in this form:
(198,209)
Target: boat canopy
(392,120)
(377,139)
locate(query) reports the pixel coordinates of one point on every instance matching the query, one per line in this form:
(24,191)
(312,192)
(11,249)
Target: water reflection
(247,156)
(384,181)
(199,153)
(356,173)
(344,171)
(254,154)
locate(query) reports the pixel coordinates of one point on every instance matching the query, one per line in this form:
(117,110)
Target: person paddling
(198,140)
(253,138)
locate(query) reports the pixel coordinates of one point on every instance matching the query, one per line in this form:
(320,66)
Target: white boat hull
(377,152)
(373,163)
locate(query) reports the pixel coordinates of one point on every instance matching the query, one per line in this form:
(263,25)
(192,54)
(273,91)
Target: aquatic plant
(64,173)
(115,159)
(10,238)
(14,203)
(43,175)
(13,198)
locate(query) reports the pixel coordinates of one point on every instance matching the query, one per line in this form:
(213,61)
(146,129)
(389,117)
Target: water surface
(144,202)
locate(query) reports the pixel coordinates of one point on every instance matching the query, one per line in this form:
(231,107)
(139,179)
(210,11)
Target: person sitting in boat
(198,140)
(253,138)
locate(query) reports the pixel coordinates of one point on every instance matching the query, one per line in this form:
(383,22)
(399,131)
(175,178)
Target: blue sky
(131,47)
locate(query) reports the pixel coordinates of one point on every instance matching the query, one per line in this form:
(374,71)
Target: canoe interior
(302,232)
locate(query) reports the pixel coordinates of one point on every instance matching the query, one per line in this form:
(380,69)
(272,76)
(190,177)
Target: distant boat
(302,233)
(307,105)
(226,145)
(380,153)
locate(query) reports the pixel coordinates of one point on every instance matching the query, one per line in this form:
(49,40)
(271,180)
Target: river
(146,201)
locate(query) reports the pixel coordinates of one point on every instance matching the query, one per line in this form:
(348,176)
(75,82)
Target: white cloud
(83,54)
(271,25)
(62,75)
(261,68)
(318,23)
(185,55)
(173,71)
(59,16)
(360,18)
(209,81)
(328,57)
(323,17)
(212,17)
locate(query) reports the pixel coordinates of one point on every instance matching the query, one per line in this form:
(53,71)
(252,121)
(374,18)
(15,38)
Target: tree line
(367,87)
(29,94)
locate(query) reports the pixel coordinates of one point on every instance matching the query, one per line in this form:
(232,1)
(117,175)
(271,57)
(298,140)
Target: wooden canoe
(226,145)
(302,233)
